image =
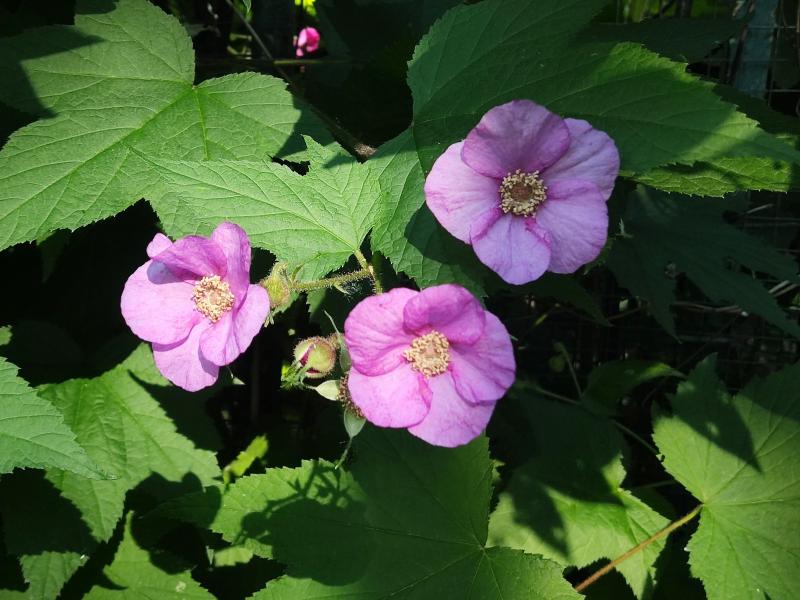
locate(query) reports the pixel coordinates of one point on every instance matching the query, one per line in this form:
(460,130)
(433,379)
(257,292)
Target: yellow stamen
(522,193)
(429,354)
(212,297)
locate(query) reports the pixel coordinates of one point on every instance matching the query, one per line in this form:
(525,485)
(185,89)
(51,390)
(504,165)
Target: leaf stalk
(638,548)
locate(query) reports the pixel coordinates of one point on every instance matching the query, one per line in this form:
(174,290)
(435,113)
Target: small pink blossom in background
(194,302)
(307,41)
(528,190)
(433,362)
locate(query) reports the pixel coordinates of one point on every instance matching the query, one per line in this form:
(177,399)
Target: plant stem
(623,428)
(362,260)
(329,282)
(572,373)
(301,62)
(639,547)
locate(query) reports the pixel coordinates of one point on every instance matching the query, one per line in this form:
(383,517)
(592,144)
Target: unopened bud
(317,356)
(278,287)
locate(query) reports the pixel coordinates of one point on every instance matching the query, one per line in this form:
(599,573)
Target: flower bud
(278,287)
(317,356)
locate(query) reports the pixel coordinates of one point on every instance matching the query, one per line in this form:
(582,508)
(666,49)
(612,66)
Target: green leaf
(118,417)
(407,233)
(738,456)
(408,520)
(723,175)
(613,380)
(478,56)
(33,432)
(566,502)
(317,220)
(566,289)
(683,40)
(667,233)
(134,575)
(118,85)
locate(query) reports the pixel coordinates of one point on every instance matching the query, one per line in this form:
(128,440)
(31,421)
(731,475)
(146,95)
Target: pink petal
(233,241)
(399,398)
(374,332)
(312,38)
(449,309)
(159,243)
(194,257)
(576,219)
(226,339)
(183,364)
(517,135)
(485,370)
(157,305)
(461,199)
(515,248)
(592,157)
(451,421)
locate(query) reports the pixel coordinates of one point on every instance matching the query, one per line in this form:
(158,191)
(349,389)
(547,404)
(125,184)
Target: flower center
(429,354)
(522,193)
(212,297)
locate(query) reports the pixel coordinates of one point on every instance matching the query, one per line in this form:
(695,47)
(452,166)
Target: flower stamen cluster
(429,354)
(522,193)
(345,398)
(212,297)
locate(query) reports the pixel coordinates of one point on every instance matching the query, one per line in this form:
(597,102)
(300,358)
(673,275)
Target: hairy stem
(329,282)
(365,264)
(638,548)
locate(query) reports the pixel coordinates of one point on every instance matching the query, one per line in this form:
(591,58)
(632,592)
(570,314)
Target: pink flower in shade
(194,301)
(528,190)
(307,41)
(433,362)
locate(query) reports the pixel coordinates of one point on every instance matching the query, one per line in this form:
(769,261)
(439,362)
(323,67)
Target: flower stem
(638,548)
(329,282)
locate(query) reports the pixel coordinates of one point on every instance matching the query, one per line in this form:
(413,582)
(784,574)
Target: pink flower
(307,41)
(528,190)
(433,362)
(194,301)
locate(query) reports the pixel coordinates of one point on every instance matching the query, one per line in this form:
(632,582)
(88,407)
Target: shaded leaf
(669,234)
(33,432)
(118,85)
(135,576)
(613,380)
(408,521)
(119,419)
(566,502)
(738,456)
(478,56)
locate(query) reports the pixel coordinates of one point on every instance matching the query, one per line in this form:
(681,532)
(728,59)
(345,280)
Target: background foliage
(657,383)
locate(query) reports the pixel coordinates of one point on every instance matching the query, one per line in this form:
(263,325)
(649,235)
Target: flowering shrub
(447,306)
